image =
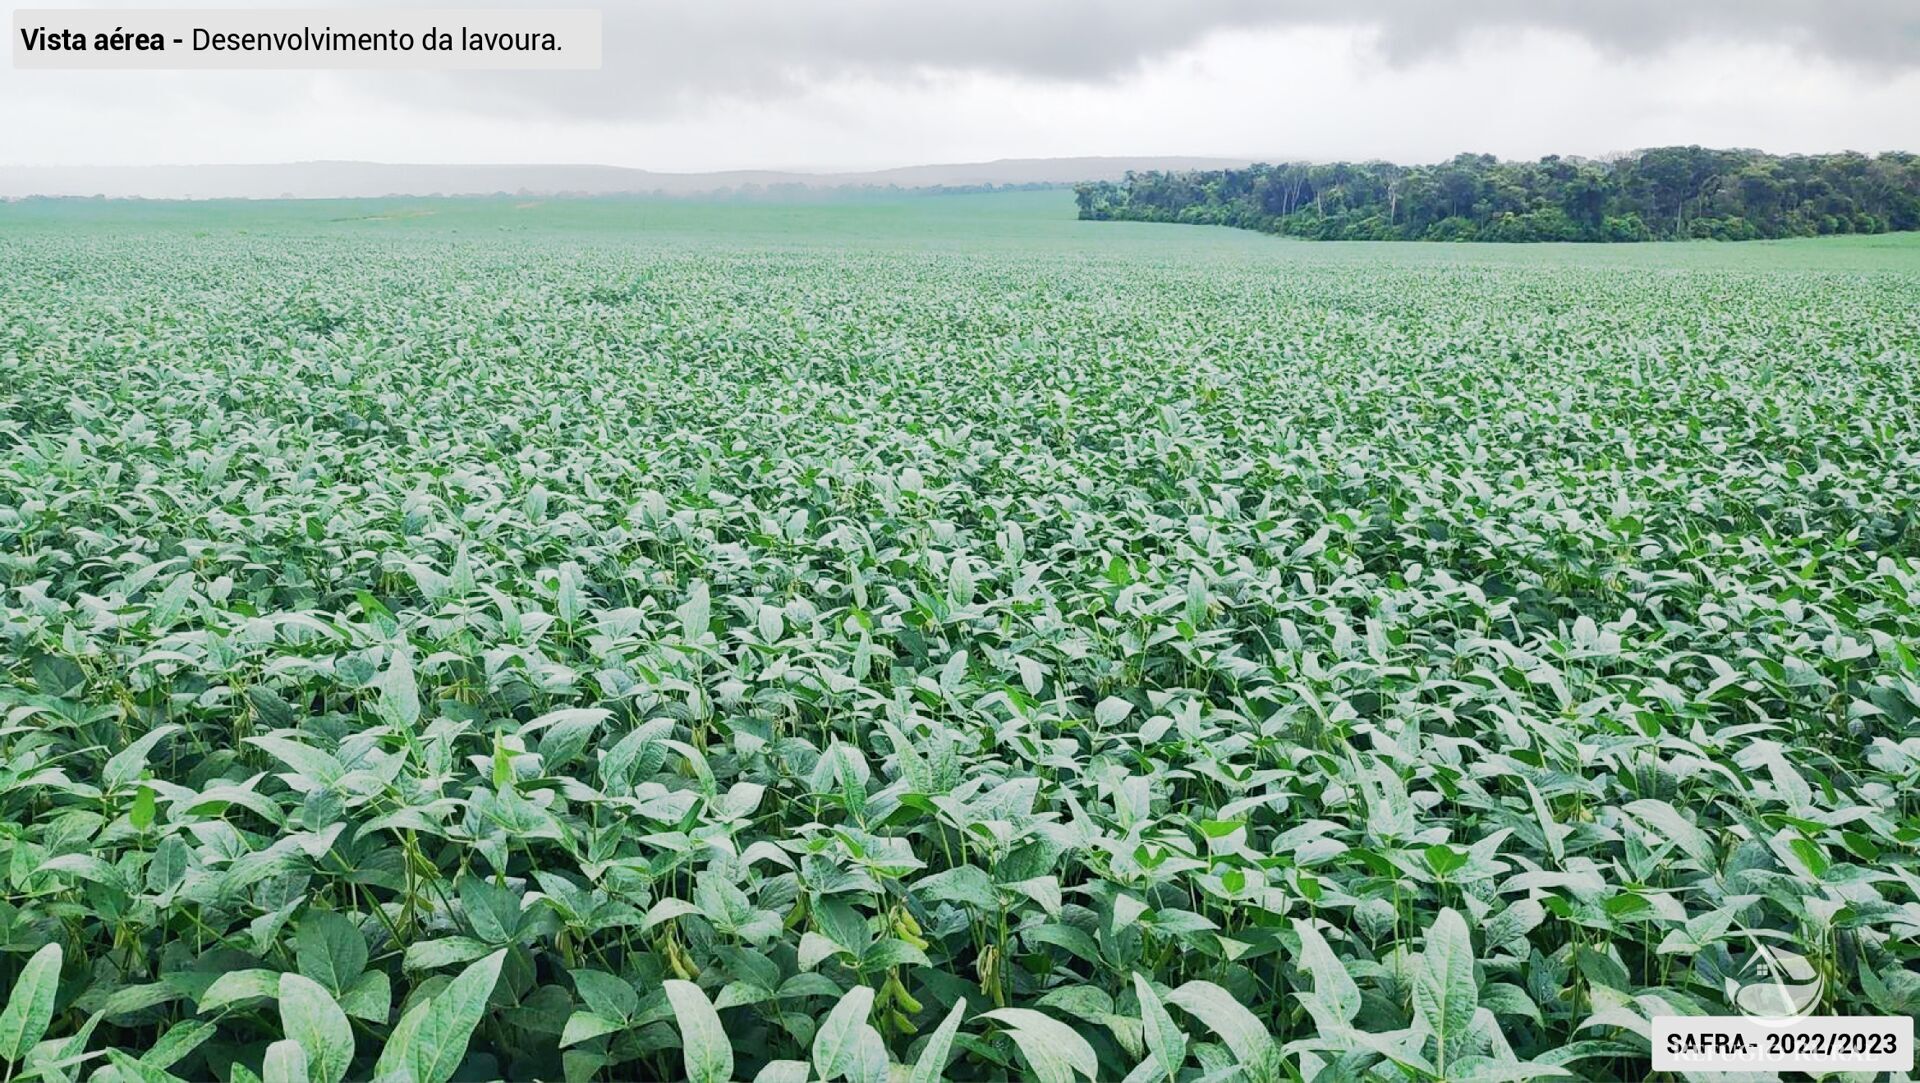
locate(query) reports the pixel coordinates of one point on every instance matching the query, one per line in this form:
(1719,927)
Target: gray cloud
(660,58)
(718,84)
(1875,34)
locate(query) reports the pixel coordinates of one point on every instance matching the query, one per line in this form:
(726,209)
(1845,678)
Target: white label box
(371,38)
(1811,1043)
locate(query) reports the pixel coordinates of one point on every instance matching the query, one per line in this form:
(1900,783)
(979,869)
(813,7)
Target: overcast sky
(856,84)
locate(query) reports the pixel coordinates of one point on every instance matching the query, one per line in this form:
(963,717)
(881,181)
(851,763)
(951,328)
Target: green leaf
(571,602)
(783,1071)
(869,1063)
(239,985)
(704,1047)
(815,949)
(567,716)
(666,910)
(399,696)
(430,1041)
(57,676)
(1488,1070)
(310,763)
(370,997)
(330,949)
(1666,822)
(1165,1040)
(931,1067)
(585,1026)
(696,613)
(447,951)
(891,953)
(129,999)
(309,1015)
(1444,859)
(1336,998)
(1073,939)
(1237,1027)
(492,910)
(135,1071)
(835,1043)
(145,808)
(180,1039)
(1444,992)
(286,1063)
(966,884)
(1554,832)
(126,765)
(30,1004)
(1054,1050)
(606,994)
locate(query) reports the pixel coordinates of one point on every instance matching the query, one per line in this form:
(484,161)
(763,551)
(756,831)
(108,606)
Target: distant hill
(342,180)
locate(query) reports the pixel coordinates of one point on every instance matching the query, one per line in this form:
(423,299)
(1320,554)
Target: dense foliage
(427,659)
(1671,193)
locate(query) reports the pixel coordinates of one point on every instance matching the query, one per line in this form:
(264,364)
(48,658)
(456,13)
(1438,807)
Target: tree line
(1668,193)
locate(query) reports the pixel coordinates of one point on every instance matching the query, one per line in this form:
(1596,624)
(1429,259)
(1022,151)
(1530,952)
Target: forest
(1667,193)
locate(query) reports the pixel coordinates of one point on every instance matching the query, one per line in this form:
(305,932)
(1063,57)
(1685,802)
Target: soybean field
(934,638)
